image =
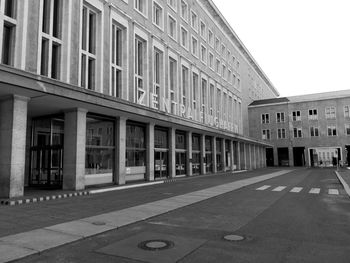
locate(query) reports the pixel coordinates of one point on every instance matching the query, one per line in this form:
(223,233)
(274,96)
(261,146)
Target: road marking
(264,187)
(279,188)
(315,191)
(296,189)
(333,191)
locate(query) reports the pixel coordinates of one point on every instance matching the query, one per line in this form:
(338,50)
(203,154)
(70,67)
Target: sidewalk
(344,178)
(34,228)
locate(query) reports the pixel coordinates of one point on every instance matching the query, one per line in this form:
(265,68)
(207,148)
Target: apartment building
(96,92)
(308,130)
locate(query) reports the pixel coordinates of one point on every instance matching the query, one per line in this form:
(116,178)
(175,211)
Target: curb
(342,181)
(10,202)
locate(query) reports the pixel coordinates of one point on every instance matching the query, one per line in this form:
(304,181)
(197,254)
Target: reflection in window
(135,145)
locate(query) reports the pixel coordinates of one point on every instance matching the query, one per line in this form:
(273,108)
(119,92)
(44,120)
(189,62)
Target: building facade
(97,92)
(309,130)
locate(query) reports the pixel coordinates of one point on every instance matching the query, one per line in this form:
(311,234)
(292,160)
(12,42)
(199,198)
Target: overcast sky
(303,46)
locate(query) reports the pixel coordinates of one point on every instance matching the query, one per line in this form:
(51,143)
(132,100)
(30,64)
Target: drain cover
(156,244)
(233,238)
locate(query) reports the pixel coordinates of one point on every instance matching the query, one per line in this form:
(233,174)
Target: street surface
(301,216)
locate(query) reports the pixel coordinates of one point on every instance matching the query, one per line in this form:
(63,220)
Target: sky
(303,46)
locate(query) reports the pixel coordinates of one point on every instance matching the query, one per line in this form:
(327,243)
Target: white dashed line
(279,188)
(333,191)
(296,189)
(315,191)
(262,188)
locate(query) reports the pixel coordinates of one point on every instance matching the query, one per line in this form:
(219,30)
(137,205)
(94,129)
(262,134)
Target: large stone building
(97,92)
(308,130)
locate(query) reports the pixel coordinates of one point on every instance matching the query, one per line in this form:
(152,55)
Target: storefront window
(160,153)
(196,156)
(135,145)
(180,140)
(208,155)
(99,156)
(160,138)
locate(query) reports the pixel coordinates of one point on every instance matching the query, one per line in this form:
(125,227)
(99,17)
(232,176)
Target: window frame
(194,24)
(187,46)
(170,17)
(157,4)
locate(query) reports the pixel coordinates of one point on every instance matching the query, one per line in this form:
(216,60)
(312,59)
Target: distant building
(96,92)
(308,130)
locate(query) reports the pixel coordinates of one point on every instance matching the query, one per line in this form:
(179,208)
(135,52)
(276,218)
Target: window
(184,10)
(228,56)
(194,46)
(223,50)
(184,37)
(330,112)
(218,103)
(266,135)
(172,27)
(204,97)
(281,133)
(50,55)
(157,77)
(211,60)
(157,15)
(203,54)
(8,39)
(332,130)
(140,81)
(203,31)
(313,114)
(265,118)
(296,116)
(194,21)
(210,38)
(347,129)
(135,145)
(217,44)
(141,6)
(314,132)
(172,83)
(223,72)
(211,98)
(229,76)
(117,60)
(279,117)
(297,133)
(238,84)
(172,4)
(194,90)
(217,66)
(88,48)
(184,78)
(346,111)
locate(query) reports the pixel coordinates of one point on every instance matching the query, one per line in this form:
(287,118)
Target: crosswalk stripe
(333,191)
(264,187)
(296,189)
(315,191)
(279,188)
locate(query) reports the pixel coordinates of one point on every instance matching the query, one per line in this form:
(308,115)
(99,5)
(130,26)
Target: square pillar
(189,153)
(232,152)
(150,152)
(291,156)
(213,143)
(74,149)
(223,154)
(13,129)
(120,170)
(172,153)
(202,148)
(254,156)
(238,149)
(275,156)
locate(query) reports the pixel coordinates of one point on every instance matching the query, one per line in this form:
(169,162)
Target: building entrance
(324,156)
(160,164)
(269,157)
(299,156)
(283,156)
(347,147)
(46,166)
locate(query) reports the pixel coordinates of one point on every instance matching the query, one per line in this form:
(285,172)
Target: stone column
(254,156)
(275,156)
(202,148)
(213,143)
(13,129)
(264,157)
(74,149)
(291,156)
(223,154)
(189,153)
(120,170)
(232,152)
(238,149)
(150,152)
(172,153)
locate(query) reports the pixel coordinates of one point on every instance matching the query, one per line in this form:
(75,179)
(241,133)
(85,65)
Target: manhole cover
(98,223)
(233,238)
(156,244)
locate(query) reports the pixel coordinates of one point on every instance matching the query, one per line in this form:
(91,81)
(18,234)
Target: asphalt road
(277,225)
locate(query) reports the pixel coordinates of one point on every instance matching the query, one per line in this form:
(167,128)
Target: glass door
(160,164)
(180,163)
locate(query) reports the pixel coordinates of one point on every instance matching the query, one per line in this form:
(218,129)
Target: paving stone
(9,252)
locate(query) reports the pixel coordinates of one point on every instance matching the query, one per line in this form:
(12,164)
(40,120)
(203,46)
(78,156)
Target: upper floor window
(51,43)
(217,66)
(265,118)
(217,44)
(88,48)
(204,97)
(347,129)
(203,54)
(184,37)
(194,46)
(331,130)
(203,30)
(280,117)
(223,50)
(266,135)
(211,60)
(140,81)
(346,111)
(8,23)
(141,6)
(297,132)
(281,133)
(296,115)
(157,15)
(195,83)
(184,10)
(313,115)
(173,84)
(211,38)
(172,27)
(194,21)
(184,84)
(157,77)
(117,65)
(314,132)
(172,4)
(330,112)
